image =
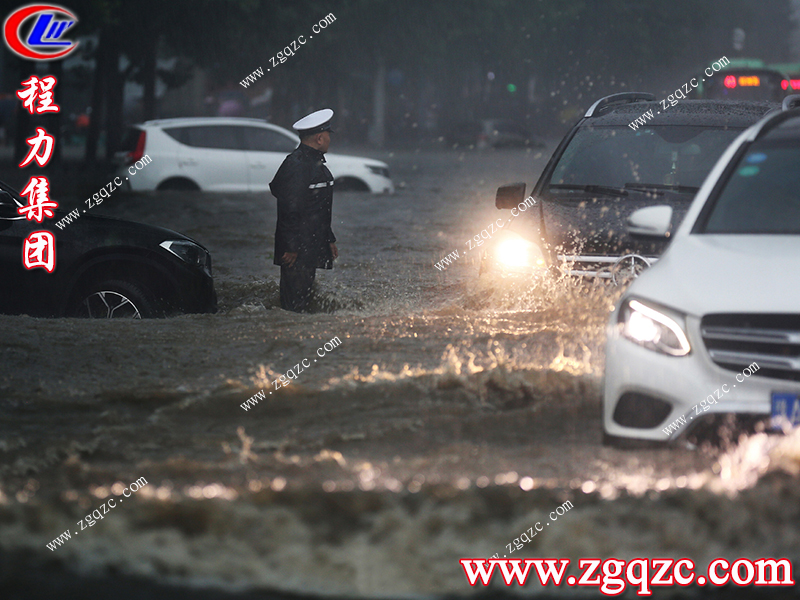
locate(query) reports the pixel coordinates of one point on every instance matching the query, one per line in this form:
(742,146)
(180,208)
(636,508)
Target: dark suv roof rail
(623,98)
(791,102)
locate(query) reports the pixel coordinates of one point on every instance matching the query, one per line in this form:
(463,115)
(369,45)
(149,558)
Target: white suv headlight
(654,328)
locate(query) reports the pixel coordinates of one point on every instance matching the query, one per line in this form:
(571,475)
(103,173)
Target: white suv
(219,154)
(713,329)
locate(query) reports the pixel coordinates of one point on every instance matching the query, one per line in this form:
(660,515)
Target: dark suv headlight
(190,253)
(517,252)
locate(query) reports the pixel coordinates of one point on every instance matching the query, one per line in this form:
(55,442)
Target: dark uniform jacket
(304,189)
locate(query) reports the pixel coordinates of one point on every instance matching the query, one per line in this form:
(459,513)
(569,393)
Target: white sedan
(714,327)
(226,154)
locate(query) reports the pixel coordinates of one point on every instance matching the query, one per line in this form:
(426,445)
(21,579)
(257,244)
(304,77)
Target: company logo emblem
(44,40)
(627,268)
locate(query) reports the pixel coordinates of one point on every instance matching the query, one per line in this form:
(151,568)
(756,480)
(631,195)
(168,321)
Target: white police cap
(316,122)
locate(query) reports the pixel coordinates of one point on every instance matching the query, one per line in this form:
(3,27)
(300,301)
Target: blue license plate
(785,410)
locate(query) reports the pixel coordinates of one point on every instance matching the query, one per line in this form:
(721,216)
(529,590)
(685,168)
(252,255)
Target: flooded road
(455,413)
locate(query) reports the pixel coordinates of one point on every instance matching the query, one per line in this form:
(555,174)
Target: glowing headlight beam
(514,253)
(517,252)
(639,330)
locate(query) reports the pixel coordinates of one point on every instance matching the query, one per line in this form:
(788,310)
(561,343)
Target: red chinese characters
(41,91)
(39,248)
(41,154)
(39,202)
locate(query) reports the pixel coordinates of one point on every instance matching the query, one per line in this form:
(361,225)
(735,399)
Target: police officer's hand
(288,259)
(334,251)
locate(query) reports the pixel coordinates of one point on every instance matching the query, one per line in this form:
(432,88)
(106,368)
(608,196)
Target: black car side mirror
(510,195)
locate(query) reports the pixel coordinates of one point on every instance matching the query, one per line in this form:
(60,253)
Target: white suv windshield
(762,194)
(617,157)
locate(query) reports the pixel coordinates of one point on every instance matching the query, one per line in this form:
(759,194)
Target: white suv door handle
(189,162)
(258,165)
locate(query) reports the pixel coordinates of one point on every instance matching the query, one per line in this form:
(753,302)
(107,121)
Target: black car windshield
(666,156)
(762,194)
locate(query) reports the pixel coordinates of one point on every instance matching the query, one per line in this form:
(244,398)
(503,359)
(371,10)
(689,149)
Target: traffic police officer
(304,241)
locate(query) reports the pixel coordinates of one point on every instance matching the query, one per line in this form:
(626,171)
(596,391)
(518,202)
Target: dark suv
(104,268)
(608,166)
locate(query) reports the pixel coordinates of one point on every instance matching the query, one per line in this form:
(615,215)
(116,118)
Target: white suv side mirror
(652,221)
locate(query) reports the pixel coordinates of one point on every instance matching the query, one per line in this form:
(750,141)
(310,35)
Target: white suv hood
(702,273)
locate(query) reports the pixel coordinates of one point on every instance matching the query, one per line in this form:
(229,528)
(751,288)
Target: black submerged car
(605,168)
(105,268)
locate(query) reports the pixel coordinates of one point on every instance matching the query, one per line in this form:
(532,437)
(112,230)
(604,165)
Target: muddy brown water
(456,412)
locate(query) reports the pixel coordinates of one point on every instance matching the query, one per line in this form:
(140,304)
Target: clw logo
(44,38)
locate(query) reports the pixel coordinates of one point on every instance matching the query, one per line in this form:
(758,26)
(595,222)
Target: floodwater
(456,412)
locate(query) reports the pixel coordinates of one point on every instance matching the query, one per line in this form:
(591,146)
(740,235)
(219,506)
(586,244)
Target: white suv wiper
(598,189)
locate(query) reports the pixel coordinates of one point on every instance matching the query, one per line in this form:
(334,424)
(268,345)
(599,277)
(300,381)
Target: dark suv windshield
(762,194)
(617,157)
